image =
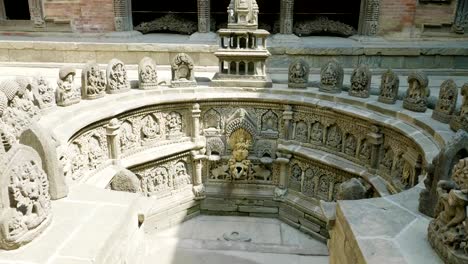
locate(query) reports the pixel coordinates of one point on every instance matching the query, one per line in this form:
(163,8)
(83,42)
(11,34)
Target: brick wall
(85,15)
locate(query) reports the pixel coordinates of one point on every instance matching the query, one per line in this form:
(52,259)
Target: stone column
(413,158)
(375,138)
(286,16)
(113,139)
(196,123)
(198,187)
(282,188)
(203,16)
(369,17)
(287,117)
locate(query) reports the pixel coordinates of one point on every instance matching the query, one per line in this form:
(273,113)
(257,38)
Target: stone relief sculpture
(334,137)
(174,124)
(323,25)
(243,13)
(43,93)
(182,69)
(25,202)
(23,101)
(240,142)
(331,77)
(270,125)
(360,82)
(150,129)
(93,81)
(147,75)
(350,145)
(298,74)
(66,93)
(301,132)
(182,178)
(460,121)
(418,92)
(168,23)
(117,80)
(389,86)
(445,106)
(448,232)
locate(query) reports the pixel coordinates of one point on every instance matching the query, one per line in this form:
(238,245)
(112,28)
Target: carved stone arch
(215,146)
(270,121)
(212,119)
(241,119)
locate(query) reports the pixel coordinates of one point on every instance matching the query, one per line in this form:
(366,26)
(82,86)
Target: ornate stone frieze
(117,79)
(389,86)
(360,82)
(168,23)
(448,232)
(331,77)
(298,76)
(460,121)
(67,93)
(93,81)
(183,71)
(25,201)
(418,92)
(43,93)
(323,25)
(147,75)
(445,106)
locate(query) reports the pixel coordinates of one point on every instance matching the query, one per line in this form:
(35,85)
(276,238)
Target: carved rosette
(331,77)
(182,68)
(390,83)
(147,75)
(93,81)
(117,80)
(418,92)
(361,82)
(298,76)
(460,121)
(25,199)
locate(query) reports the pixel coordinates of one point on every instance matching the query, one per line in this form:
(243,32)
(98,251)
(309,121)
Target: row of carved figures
(415,99)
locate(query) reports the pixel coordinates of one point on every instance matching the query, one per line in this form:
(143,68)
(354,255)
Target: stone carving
(287,16)
(147,75)
(387,160)
(365,151)
(323,25)
(93,81)
(310,181)
(350,145)
(461,17)
(122,15)
(389,86)
(43,93)
(36,11)
(298,74)
(265,150)
(211,121)
(150,128)
(128,137)
(182,178)
(370,24)
(448,232)
(270,125)
(156,180)
(204,16)
(220,172)
(352,189)
(316,134)
(125,181)
(331,77)
(243,14)
(25,201)
(67,93)
(334,137)
(447,102)
(168,23)
(460,121)
(323,187)
(418,92)
(182,68)
(117,80)
(240,142)
(301,132)
(361,82)
(214,146)
(260,172)
(236,237)
(295,180)
(174,124)
(23,101)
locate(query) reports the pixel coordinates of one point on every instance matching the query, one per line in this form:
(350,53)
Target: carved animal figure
(261,172)
(220,172)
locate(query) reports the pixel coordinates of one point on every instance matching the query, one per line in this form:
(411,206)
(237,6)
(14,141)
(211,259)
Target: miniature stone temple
(147,75)
(418,92)
(360,82)
(460,121)
(390,83)
(331,77)
(183,72)
(298,74)
(93,82)
(445,106)
(243,48)
(67,93)
(117,79)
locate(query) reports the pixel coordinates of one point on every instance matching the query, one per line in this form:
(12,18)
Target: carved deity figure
(150,128)
(182,69)
(298,74)
(334,137)
(93,81)
(360,82)
(445,106)
(117,80)
(365,151)
(448,232)
(173,124)
(269,121)
(243,13)
(43,93)
(66,93)
(147,75)
(301,132)
(182,178)
(460,121)
(316,133)
(389,86)
(239,165)
(331,77)
(23,101)
(350,145)
(387,161)
(418,92)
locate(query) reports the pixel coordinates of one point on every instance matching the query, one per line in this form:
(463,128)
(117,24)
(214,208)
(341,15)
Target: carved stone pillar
(198,187)
(123,15)
(36,10)
(286,16)
(412,166)
(282,188)
(204,16)
(113,139)
(369,17)
(375,138)
(196,123)
(287,117)
(461,17)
